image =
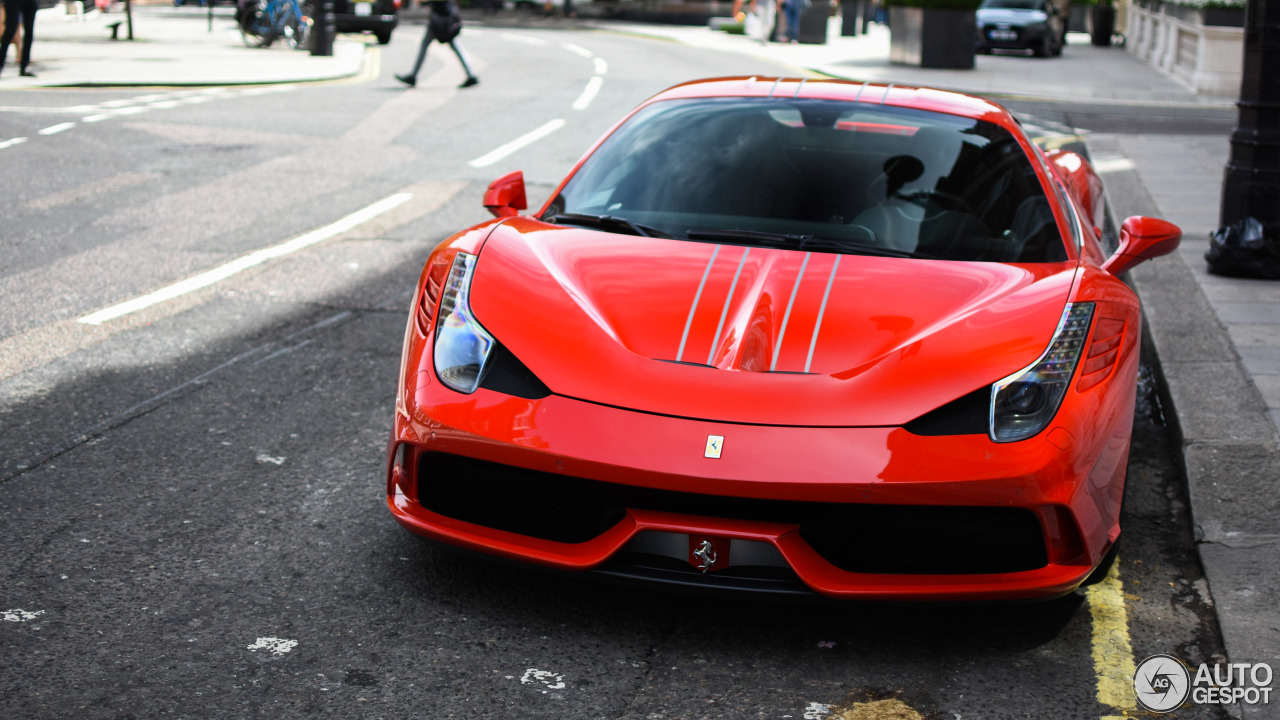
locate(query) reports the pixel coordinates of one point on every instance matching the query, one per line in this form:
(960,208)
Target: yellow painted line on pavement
(1112,650)
(1057,142)
(1112,165)
(372,65)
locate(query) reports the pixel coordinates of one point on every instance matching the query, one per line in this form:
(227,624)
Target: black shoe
(26,73)
(473,80)
(410,80)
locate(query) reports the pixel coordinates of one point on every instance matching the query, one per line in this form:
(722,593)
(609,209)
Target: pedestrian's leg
(471,78)
(412,78)
(28,34)
(11,14)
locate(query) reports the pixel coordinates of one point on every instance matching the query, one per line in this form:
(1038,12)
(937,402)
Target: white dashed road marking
(136,105)
(816,711)
(55,129)
(277,646)
(524,39)
(550,680)
(589,93)
(245,262)
(499,153)
(20,615)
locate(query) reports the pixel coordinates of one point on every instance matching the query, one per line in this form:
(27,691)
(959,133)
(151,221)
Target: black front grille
(907,539)
(539,504)
(895,539)
(676,574)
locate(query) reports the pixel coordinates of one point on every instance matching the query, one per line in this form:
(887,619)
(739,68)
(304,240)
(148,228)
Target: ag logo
(1161,683)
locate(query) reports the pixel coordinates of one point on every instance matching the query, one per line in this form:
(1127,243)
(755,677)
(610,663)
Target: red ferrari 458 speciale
(785,336)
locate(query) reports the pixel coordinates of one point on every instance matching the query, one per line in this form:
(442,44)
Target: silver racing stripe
(786,317)
(727,301)
(813,343)
(705,273)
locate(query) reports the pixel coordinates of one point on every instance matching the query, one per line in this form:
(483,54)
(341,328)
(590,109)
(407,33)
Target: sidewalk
(1083,73)
(171,47)
(1218,339)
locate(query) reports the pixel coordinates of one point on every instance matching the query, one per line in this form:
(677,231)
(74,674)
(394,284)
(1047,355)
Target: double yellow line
(1112,650)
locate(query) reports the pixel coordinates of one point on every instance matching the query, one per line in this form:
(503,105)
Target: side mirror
(505,196)
(1142,238)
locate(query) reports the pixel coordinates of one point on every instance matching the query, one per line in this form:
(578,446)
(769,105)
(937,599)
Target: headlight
(462,347)
(1024,403)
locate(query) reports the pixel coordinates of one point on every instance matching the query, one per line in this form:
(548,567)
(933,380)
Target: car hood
(758,335)
(1010,16)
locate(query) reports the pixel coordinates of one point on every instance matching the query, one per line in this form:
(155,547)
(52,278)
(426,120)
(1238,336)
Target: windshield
(913,182)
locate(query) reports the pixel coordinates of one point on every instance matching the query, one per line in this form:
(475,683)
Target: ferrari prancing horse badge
(715,443)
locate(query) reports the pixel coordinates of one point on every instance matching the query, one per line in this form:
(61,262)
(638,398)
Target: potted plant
(933,33)
(1102,23)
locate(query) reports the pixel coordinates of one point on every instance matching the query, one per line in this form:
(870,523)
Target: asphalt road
(192,494)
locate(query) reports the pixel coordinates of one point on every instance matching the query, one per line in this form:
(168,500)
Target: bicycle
(264,21)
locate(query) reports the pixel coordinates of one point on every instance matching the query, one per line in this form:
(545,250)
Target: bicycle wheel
(297,32)
(255,27)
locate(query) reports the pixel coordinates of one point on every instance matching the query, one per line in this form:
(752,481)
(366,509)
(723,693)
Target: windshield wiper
(608,222)
(755,236)
(853,247)
(803,242)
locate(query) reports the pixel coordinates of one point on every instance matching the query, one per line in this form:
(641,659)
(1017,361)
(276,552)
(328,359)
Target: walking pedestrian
(760,20)
(793,9)
(443,25)
(15,10)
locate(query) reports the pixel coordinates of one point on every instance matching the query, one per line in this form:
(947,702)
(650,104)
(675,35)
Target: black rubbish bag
(1245,249)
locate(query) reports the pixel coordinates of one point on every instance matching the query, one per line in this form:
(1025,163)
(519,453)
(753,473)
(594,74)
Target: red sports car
(785,336)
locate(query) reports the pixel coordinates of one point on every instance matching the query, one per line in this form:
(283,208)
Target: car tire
(384,36)
(1045,48)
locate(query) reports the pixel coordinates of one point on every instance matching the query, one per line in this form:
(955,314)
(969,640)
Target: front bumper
(867,513)
(361,23)
(1025,37)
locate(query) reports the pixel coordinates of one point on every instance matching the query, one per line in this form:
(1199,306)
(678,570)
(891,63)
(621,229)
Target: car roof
(890,94)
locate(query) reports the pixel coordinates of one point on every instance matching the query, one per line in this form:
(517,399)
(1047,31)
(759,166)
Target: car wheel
(384,36)
(1045,48)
